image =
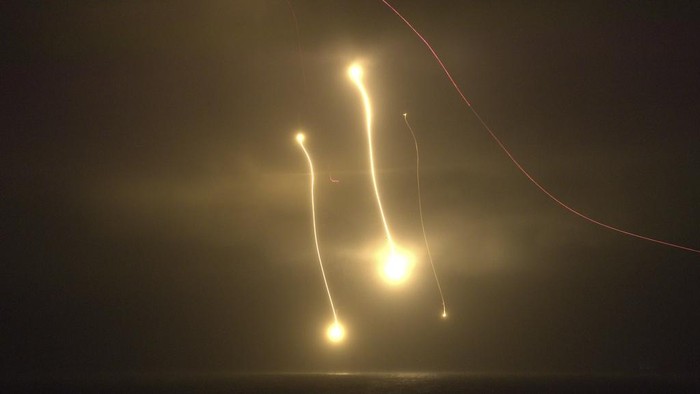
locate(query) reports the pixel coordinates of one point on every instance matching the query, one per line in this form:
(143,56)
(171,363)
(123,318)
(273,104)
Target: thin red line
(517,164)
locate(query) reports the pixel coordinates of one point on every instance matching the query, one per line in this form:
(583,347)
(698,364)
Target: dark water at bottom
(366,383)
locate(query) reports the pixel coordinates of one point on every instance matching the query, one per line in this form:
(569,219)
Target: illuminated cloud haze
(155,204)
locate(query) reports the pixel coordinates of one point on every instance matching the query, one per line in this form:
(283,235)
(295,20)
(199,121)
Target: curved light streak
(355,73)
(300,139)
(394,272)
(422,224)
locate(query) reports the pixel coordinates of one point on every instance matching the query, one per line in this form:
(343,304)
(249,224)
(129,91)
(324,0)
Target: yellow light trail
(420,211)
(396,265)
(335,331)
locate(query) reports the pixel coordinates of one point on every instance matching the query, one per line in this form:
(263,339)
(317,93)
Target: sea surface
(408,382)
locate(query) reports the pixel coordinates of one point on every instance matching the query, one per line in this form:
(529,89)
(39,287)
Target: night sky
(155,210)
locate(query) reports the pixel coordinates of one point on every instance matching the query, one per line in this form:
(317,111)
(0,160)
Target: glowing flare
(337,328)
(355,72)
(335,332)
(396,268)
(420,210)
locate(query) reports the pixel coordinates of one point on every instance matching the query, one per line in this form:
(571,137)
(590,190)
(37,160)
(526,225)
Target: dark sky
(155,206)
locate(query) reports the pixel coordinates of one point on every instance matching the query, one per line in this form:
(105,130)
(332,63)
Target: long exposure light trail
(397,265)
(335,331)
(355,72)
(512,158)
(422,223)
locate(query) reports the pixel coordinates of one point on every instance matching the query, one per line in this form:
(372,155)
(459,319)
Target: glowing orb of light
(355,72)
(300,137)
(397,267)
(335,332)
(444,315)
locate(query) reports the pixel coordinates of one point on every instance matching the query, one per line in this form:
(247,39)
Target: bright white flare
(355,72)
(335,332)
(396,268)
(395,265)
(338,332)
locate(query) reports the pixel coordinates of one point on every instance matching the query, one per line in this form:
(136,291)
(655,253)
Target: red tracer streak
(507,152)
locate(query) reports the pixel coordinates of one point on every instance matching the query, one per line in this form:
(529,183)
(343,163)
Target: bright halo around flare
(395,266)
(335,332)
(355,72)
